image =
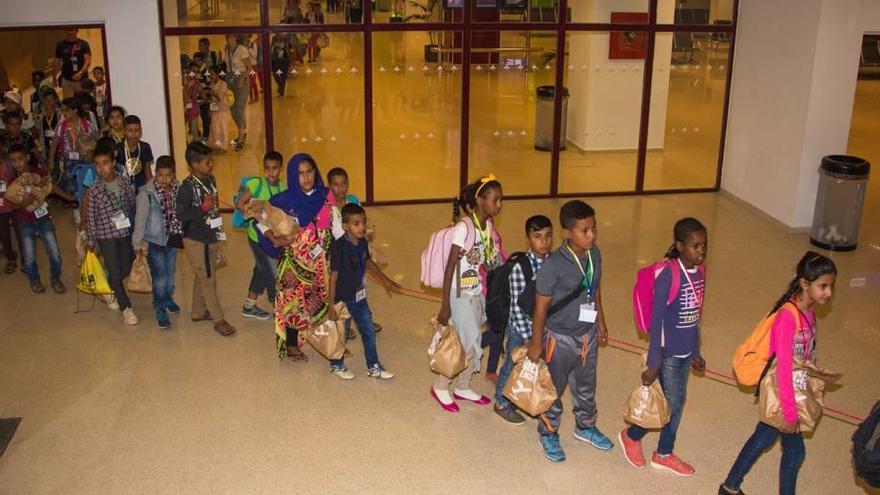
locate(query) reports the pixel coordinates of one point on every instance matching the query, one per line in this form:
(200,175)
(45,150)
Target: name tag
(73,155)
(316,251)
(2,186)
(50,133)
(120,221)
(262,228)
(42,211)
(221,236)
(215,107)
(216,222)
(588,313)
(361,294)
(189,106)
(100,101)
(74,65)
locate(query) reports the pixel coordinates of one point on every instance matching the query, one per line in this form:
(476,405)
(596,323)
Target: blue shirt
(675,328)
(350,262)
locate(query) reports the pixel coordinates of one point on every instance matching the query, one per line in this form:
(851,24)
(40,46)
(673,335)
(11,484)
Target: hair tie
(483,181)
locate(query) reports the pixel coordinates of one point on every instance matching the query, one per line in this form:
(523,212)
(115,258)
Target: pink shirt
(790,341)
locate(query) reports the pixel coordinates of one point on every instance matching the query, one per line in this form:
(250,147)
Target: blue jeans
(674,374)
(162,260)
(363,318)
(514,340)
(29,230)
(793,454)
(263,277)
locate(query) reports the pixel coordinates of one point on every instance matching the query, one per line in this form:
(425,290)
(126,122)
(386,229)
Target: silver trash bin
(839,202)
(546,96)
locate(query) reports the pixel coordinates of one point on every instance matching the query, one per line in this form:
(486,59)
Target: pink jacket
(788,341)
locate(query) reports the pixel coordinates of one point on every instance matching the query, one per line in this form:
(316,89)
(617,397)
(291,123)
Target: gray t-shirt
(558,277)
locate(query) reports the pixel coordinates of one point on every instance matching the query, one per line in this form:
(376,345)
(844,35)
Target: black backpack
(866,448)
(498,290)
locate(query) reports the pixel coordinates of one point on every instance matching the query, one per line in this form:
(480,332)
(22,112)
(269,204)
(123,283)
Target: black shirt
(143,152)
(193,220)
(350,261)
(72,55)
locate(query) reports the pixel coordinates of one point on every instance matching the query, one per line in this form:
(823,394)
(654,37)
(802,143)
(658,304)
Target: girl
(220,113)
(115,127)
(463,288)
(789,340)
(678,325)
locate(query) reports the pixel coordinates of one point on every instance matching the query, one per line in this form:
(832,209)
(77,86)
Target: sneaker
(672,464)
(172,307)
(379,371)
(10,266)
(510,415)
(723,490)
(255,312)
(111,302)
(594,437)
(37,286)
(57,286)
(552,448)
(342,372)
(129,317)
(162,319)
(632,449)
(377,327)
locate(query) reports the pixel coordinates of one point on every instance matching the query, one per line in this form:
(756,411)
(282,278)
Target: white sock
(468,394)
(250,303)
(443,395)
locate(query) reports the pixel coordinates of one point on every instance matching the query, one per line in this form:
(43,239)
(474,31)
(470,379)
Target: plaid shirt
(520,322)
(102,208)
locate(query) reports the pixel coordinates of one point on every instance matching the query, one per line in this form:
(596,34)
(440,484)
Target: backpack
(753,354)
(238,220)
(866,448)
(643,290)
(498,290)
(436,255)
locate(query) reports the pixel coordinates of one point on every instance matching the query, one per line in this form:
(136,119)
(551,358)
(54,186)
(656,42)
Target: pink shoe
(482,401)
(453,407)
(632,449)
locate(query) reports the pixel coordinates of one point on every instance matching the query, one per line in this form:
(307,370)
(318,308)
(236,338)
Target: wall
(135,59)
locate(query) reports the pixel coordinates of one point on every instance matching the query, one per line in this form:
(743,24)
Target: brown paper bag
(647,407)
(809,394)
(278,222)
(328,338)
(139,279)
(28,184)
(530,386)
(445,354)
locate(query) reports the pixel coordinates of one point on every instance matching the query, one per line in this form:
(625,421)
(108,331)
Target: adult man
(238,68)
(72,57)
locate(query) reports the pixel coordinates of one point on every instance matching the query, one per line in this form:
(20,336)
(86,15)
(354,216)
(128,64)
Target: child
(86,99)
(158,234)
(349,260)
(37,78)
(109,209)
(789,340)
(115,124)
(568,338)
(46,123)
(463,300)
(191,91)
(220,113)
(135,155)
(7,215)
(539,232)
(13,135)
(263,277)
(34,224)
(198,209)
(100,95)
(65,144)
(675,344)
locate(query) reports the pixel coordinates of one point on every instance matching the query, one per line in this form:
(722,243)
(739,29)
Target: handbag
(530,386)
(139,280)
(328,338)
(809,394)
(92,278)
(446,355)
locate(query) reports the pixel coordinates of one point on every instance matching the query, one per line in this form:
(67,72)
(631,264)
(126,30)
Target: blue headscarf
(294,201)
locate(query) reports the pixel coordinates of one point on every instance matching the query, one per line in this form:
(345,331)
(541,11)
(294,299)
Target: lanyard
(697,295)
(50,124)
(118,199)
(73,137)
(269,187)
(588,273)
(128,151)
(213,192)
(486,237)
(801,315)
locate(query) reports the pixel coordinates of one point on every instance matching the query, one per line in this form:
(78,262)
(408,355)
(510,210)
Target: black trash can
(546,96)
(839,202)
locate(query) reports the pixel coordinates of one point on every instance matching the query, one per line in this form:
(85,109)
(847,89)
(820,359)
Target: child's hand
(392,287)
(444,315)
(789,428)
(143,248)
(535,351)
(603,333)
(331,314)
(698,364)
(649,375)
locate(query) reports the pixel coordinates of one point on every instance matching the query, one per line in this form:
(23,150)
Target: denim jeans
(673,376)
(363,318)
(514,340)
(29,230)
(793,454)
(263,277)
(162,260)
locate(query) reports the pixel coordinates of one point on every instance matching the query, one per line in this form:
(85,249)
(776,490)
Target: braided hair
(683,228)
(467,198)
(811,266)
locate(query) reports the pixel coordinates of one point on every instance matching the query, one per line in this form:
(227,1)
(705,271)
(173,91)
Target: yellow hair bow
(485,180)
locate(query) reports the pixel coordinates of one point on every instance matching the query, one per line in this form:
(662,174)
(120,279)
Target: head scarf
(305,207)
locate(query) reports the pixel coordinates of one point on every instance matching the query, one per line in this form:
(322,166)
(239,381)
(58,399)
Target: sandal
(204,317)
(10,266)
(224,328)
(297,355)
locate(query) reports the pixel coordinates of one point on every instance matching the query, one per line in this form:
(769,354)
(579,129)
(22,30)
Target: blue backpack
(238,220)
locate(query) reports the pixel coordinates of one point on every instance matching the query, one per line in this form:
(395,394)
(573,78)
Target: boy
(102,104)
(568,338)
(158,234)
(12,105)
(32,224)
(349,260)
(46,122)
(110,205)
(263,278)
(13,135)
(198,209)
(539,232)
(37,77)
(135,155)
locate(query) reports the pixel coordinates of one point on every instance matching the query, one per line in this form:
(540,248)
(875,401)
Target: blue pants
(29,230)
(162,260)
(363,318)
(793,454)
(263,277)
(514,340)
(674,374)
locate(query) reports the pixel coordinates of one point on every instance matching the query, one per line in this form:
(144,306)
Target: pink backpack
(643,291)
(436,255)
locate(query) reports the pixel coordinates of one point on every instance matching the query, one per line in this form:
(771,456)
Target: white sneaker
(379,371)
(111,302)
(129,317)
(342,372)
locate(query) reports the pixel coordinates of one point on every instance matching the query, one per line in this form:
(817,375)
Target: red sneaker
(632,449)
(672,464)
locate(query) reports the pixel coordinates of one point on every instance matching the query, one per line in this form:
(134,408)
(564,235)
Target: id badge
(262,228)
(73,155)
(361,294)
(215,107)
(120,220)
(2,186)
(50,133)
(216,222)
(316,251)
(588,313)
(188,106)
(42,211)
(221,236)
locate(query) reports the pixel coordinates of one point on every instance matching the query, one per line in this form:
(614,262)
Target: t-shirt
(350,261)
(72,55)
(67,136)
(675,327)
(558,277)
(262,190)
(235,58)
(141,151)
(470,263)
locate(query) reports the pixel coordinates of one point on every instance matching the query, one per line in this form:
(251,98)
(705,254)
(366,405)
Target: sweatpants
(203,260)
(571,360)
(468,315)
